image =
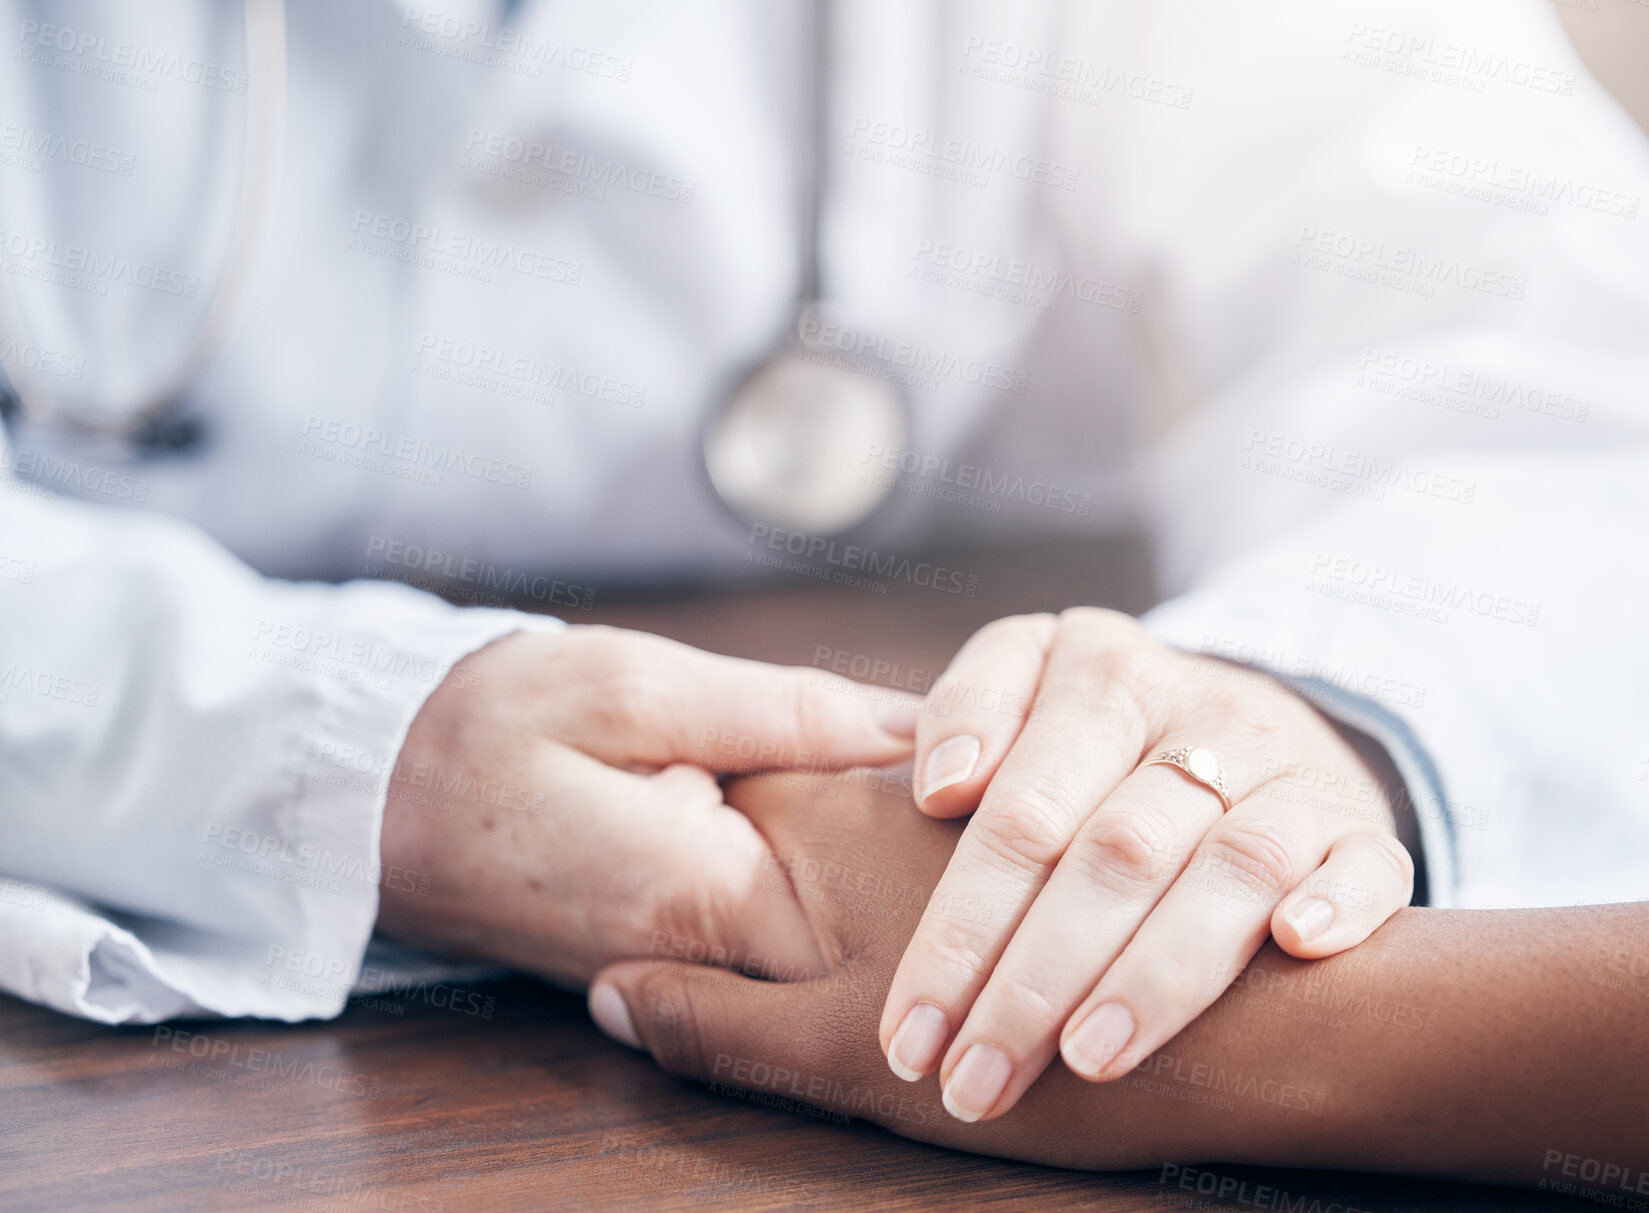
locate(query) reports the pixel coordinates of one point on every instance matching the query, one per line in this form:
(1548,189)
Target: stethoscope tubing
(147,411)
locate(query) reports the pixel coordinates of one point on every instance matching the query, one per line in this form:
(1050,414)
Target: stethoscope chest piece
(794,446)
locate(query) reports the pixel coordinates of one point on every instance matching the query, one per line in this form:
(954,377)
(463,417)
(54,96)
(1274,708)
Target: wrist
(424,821)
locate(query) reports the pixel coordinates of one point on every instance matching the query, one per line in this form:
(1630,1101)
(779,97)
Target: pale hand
(585,822)
(1095,906)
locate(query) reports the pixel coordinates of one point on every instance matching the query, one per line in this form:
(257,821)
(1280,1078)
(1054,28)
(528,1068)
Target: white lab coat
(1224,269)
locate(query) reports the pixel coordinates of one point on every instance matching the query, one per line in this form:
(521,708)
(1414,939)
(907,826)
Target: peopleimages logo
(1519,186)
(1040,71)
(912,147)
(280,859)
(1249,1193)
(43,470)
(991,274)
(88,269)
(516,583)
(1610,1178)
(434,247)
(1397,266)
(412,457)
(42,145)
(1462,389)
(499,46)
(1348,471)
(971,478)
(303,648)
(15,677)
(90,54)
(217,1050)
(1451,63)
(527,155)
(877,350)
(488,367)
(852,560)
(42,361)
(1421,589)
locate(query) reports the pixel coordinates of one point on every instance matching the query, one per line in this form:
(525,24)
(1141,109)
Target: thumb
(719,894)
(813,1042)
(709,1024)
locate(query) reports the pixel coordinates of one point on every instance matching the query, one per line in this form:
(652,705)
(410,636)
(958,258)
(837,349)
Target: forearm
(1506,1045)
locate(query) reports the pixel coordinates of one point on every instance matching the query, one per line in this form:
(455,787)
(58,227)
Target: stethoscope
(156,416)
(788,447)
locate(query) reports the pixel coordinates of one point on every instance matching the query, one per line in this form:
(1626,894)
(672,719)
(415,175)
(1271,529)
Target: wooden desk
(503,1095)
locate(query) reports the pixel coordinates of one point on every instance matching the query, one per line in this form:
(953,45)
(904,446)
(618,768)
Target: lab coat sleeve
(1398,270)
(195,764)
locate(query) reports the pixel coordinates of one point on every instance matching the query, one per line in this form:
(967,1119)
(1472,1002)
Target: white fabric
(196,765)
(1425,492)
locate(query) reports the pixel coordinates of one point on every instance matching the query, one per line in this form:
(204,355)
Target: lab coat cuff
(1199,623)
(313,972)
(63,954)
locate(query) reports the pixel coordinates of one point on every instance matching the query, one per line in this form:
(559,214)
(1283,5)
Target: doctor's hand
(559,794)
(1090,895)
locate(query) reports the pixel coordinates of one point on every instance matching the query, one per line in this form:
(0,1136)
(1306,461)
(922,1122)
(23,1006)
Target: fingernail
(915,1046)
(1099,1038)
(898,720)
(951,761)
(1310,918)
(977,1082)
(611,1015)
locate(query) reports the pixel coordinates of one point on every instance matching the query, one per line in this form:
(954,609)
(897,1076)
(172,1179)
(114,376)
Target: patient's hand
(1425,1050)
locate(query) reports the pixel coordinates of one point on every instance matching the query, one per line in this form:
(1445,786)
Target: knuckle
(951,688)
(1030,822)
(1016,628)
(802,713)
(1101,620)
(1124,663)
(595,638)
(1237,704)
(627,700)
(615,653)
(1019,1003)
(1112,688)
(1117,672)
(1254,853)
(673,1036)
(1393,855)
(958,951)
(1000,659)
(1258,746)
(1258,721)
(1118,701)
(1129,671)
(1121,851)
